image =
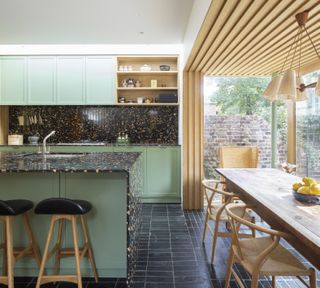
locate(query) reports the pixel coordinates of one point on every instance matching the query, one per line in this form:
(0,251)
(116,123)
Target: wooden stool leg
(4,259)
(46,251)
(10,258)
(59,241)
(90,252)
(313,278)
(76,249)
(34,247)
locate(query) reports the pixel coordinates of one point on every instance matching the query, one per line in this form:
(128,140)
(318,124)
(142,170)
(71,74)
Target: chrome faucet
(44,143)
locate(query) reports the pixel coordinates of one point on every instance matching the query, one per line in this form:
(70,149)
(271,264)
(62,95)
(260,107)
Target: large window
(236,115)
(308,132)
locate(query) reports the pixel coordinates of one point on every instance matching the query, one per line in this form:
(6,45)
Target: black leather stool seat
(14,207)
(62,206)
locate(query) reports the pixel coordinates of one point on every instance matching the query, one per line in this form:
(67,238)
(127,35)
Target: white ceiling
(93,21)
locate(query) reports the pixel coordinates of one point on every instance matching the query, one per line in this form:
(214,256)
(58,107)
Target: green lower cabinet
(163,175)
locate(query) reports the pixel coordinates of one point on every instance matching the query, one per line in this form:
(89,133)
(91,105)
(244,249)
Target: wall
(98,123)
(238,130)
(198,13)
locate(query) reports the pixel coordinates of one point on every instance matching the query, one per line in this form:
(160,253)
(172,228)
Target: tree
(240,95)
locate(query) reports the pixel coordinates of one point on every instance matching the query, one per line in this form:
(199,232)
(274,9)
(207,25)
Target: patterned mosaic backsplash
(96,123)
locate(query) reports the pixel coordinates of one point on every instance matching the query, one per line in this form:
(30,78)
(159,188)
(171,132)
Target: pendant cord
(285,61)
(314,47)
(295,47)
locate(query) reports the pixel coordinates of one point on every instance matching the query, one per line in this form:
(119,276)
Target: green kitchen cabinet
(41,80)
(163,175)
(13,80)
(70,80)
(100,80)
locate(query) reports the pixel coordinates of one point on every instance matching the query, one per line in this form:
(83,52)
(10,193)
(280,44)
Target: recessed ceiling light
(141,32)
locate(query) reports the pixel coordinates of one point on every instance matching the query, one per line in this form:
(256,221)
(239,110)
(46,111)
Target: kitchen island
(112,182)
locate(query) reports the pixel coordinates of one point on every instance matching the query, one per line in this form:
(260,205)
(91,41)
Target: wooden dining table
(270,192)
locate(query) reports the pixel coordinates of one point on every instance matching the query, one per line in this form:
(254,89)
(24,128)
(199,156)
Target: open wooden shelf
(148,104)
(147,72)
(169,79)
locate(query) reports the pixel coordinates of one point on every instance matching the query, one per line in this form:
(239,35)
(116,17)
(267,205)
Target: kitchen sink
(52,156)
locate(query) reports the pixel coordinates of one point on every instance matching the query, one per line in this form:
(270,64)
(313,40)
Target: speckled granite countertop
(97,144)
(90,162)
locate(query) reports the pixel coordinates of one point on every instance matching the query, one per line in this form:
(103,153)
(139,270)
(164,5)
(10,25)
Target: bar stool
(8,211)
(63,209)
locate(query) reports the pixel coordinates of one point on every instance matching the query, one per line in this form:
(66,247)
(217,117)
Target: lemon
(304,190)
(297,185)
(315,189)
(308,181)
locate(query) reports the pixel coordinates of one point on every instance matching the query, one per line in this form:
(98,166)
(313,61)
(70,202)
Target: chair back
(211,192)
(239,156)
(236,214)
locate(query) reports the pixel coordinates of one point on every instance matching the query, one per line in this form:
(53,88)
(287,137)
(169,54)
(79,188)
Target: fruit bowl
(312,199)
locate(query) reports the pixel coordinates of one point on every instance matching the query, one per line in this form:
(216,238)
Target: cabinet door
(163,173)
(12,80)
(70,80)
(41,80)
(100,80)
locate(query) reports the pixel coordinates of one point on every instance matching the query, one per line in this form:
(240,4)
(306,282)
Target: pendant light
(290,86)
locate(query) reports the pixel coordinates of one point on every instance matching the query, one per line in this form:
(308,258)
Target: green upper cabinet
(100,80)
(13,80)
(70,80)
(57,80)
(41,80)
(163,174)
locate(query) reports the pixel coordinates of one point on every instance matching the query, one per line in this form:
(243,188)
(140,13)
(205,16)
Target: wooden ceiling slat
(215,39)
(307,52)
(245,35)
(277,46)
(245,51)
(268,22)
(238,27)
(265,58)
(211,17)
(219,26)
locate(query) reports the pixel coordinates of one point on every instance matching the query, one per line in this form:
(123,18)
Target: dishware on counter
(33,139)
(164,67)
(130,83)
(15,139)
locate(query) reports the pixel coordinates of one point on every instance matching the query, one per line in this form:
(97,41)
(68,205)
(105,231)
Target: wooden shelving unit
(167,81)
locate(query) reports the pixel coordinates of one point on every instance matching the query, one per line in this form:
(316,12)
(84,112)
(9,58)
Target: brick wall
(238,130)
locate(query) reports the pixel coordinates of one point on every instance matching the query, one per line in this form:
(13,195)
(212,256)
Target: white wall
(161,49)
(198,13)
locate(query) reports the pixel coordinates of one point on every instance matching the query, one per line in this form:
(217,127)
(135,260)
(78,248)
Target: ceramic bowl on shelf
(164,67)
(145,68)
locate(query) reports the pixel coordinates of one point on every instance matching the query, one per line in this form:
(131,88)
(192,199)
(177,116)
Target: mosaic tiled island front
(112,182)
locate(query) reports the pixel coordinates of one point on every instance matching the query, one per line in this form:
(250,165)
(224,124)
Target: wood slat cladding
(250,37)
(192,139)
(4,124)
